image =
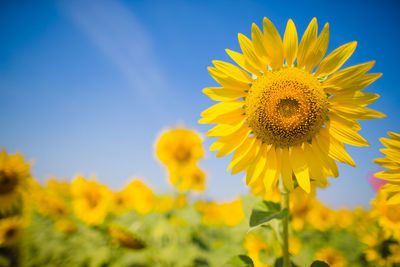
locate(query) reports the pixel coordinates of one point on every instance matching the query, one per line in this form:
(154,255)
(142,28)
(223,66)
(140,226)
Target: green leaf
(265,211)
(319,264)
(240,261)
(279,263)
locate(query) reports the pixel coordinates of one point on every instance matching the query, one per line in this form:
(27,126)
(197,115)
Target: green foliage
(265,211)
(319,264)
(239,261)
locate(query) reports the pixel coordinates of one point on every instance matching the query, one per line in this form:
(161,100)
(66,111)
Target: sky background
(87,86)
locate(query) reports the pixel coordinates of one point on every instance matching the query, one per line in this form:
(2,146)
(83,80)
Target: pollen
(286,107)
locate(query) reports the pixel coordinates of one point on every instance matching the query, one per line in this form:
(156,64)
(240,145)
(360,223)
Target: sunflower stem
(285,226)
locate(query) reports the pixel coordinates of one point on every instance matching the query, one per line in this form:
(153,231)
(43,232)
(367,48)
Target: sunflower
(14,176)
(388,215)
(90,200)
(10,230)
(65,226)
(188,178)
(125,238)
(331,256)
(392,162)
(288,110)
(141,197)
(179,147)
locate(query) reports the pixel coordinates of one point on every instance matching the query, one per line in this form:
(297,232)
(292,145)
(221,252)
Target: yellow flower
(90,201)
(388,215)
(221,214)
(50,204)
(14,176)
(392,162)
(10,230)
(180,201)
(142,199)
(254,243)
(65,226)
(125,238)
(164,204)
(59,187)
(285,118)
(300,206)
(331,256)
(179,147)
(294,245)
(188,178)
(321,217)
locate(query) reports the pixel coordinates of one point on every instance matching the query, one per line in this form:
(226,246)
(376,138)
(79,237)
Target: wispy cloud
(115,30)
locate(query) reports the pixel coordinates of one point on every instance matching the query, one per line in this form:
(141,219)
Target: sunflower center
(10,233)
(286,107)
(182,154)
(392,213)
(8,181)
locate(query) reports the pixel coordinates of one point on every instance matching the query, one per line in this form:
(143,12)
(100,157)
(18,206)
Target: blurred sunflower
(65,226)
(320,217)
(254,244)
(392,162)
(382,252)
(125,238)
(285,118)
(14,176)
(141,197)
(90,200)
(188,178)
(179,147)
(331,256)
(388,215)
(10,230)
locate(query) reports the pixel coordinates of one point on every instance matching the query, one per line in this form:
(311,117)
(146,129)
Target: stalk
(285,226)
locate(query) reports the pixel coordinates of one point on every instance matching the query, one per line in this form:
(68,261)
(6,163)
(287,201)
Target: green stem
(285,228)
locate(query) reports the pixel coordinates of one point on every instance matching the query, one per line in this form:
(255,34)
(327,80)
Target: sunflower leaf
(239,261)
(319,264)
(265,211)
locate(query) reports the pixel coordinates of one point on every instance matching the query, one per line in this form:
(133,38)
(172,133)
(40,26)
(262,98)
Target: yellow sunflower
(331,256)
(392,162)
(14,176)
(188,178)
(125,238)
(388,215)
(179,147)
(90,200)
(10,230)
(288,110)
(141,197)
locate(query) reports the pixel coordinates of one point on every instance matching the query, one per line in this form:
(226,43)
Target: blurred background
(87,86)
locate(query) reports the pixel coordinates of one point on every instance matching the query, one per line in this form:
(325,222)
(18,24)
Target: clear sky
(86,86)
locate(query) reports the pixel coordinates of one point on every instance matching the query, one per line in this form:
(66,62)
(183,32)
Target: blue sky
(86,88)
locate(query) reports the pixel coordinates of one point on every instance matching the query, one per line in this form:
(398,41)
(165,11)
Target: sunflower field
(286,110)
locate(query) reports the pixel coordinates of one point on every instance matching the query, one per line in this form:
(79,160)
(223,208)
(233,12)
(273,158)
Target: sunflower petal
(242,150)
(226,129)
(223,94)
(290,43)
(227,81)
(232,71)
(354,112)
(300,168)
(248,51)
(307,41)
(273,44)
(258,43)
(335,148)
(344,76)
(346,135)
(271,169)
(389,175)
(335,59)
(244,162)
(233,141)
(222,108)
(355,98)
(344,122)
(242,62)
(317,53)
(258,165)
